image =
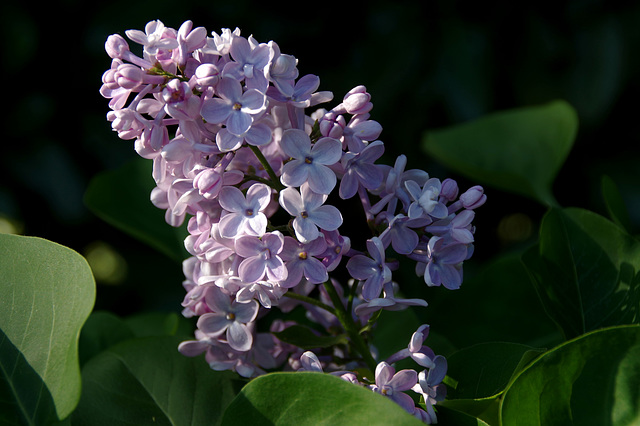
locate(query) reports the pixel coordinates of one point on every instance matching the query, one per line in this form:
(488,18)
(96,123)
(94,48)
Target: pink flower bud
(207,75)
(473,198)
(116,46)
(358,101)
(449,189)
(332,125)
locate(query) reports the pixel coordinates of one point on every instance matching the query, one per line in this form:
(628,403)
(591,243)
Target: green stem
(310,300)
(272,175)
(350,327)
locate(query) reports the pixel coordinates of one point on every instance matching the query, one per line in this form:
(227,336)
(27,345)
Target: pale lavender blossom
(249,61)
(392,384)
(244,215)
(229,318)
(337,246)
(153,38)
(432,389)
(309,162)
(442,266)
(309,212)
(388,303)
(300,259)
(360,170)
(261,257)
(454,227)
(425,199)
(233,108)
(371,269)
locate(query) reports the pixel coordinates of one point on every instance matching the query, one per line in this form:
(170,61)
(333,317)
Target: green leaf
(519,150)
(586,270)
(305,338)
(615,204)
(147,381)
(484,370)
(121,198)
(46,294)
(593,379)
(305,398)
(101,331)
(450,416)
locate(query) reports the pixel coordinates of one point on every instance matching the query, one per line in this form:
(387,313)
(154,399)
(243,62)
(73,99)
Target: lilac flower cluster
(237,155)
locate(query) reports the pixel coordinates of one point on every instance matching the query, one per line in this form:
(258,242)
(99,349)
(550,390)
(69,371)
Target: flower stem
(350,327)
(311,301)
(272,175)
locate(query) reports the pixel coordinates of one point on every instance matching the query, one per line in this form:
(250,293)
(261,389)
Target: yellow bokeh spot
(108,266)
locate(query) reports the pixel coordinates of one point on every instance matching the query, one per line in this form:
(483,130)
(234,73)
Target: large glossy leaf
(519,150)
(591,380)
(46,293)
(586,270)
(484,370)
(305,398)
(147,381)
(121,198)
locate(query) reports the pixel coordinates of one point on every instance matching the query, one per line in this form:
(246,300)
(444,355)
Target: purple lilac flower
(392,384)
(309,212)
(300,259)
(389,303)
(372,269)
(229,317)
(360,130)
(249,61)
(457,228)
(261,257)
(442,267)
(309,163)
(153,38)
(432,389)
(244,215)
(360,170)
(337,246)
(233,108)
(425,199)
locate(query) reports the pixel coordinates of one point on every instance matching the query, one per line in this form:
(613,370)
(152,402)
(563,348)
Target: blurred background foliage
(427,64)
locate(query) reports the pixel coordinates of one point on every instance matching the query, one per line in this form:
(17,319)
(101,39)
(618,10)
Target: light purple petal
(305,229)
(239,337)
(229,89)
(315,271)
(245,312)
(404,380)
(213,324)
(253,101)
(294,173)
(232,199)
(257,225)
(326,217)
(361,267)
(384,373)
(322,179)
(192,348)
(230,225)
(238,122)
(291,201)
(327,151)
(251,269)
(295,143)
(259,196)
(215,110)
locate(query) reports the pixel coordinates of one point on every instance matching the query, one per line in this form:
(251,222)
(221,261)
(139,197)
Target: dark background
(427,65)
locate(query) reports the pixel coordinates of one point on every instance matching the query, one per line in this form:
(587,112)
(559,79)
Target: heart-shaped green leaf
(121,198)
(586,270)
(484,370)
(306,398)
(519,150)
(46,294)
(591,380)
(147,381)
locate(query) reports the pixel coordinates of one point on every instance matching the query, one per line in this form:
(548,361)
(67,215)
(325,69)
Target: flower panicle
(244,153)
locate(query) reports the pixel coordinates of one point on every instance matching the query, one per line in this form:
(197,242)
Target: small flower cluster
(236,154)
